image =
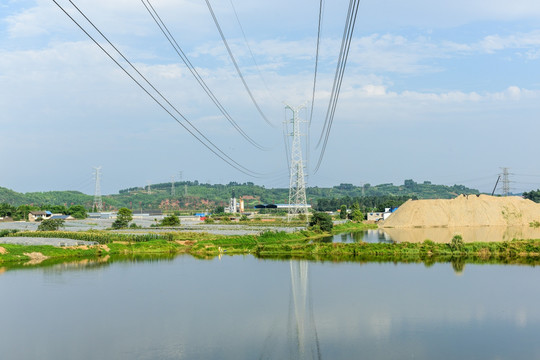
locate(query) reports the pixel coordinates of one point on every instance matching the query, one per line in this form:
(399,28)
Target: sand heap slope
(471,210)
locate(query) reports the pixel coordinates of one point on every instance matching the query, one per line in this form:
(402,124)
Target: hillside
(192,195)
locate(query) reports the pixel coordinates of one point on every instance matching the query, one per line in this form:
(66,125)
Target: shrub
(50,224)
(322,220)
(123,217)
(457,243)
(171,220)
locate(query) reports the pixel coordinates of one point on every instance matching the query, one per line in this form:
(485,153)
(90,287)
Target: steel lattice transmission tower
(506,181)
(98,202)
(297,185)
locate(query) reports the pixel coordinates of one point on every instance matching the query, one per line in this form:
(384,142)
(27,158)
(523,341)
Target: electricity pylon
(297,184)
(506,181)
(98,202)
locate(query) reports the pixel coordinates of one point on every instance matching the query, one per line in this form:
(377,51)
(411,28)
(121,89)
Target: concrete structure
(35,215)
(376,216)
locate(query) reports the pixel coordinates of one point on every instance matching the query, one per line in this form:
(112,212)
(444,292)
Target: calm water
(469,234)
(243,308)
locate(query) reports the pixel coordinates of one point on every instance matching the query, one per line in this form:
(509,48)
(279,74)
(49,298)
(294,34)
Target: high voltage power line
(165,30)
(338,77)
(236,64)
(321,6)
(206,142)
(196,133)
(250,51)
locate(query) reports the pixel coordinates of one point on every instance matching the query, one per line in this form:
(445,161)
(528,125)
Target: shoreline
(268,245)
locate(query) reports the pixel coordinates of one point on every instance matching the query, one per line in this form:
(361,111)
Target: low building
(61,217)
(39,215)
(380,215)
(375,216)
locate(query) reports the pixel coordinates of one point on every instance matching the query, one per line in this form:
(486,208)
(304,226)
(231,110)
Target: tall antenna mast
(98,202)
(297,185)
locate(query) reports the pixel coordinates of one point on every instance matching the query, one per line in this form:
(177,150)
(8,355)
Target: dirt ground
(463,211)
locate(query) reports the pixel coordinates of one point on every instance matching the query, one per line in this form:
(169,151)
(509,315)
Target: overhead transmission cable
(338,77)
(236,64)
(165,30)
(208,143)
(321,7)
(251,52)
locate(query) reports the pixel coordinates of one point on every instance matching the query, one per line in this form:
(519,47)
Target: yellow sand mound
(471,210)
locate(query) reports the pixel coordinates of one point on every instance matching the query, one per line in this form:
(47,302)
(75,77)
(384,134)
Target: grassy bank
(273,245)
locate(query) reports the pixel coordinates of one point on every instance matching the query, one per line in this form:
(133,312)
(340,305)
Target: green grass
(278,245)
(352,226)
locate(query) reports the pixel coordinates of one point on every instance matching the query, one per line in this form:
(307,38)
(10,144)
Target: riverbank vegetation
(306,244)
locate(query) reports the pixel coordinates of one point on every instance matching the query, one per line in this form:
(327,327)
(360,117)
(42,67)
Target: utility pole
(297,185)
(506,181)
(98,202)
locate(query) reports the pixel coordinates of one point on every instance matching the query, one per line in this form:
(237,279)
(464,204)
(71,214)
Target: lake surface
(440,234)
(243,308)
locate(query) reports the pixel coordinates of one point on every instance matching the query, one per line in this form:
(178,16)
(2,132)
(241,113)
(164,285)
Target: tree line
(365,203)
(21,212)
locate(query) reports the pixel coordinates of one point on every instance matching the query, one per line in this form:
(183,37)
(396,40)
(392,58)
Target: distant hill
(192,195)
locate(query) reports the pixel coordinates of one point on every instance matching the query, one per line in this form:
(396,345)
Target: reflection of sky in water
(239,308)
(369,236)
(442,234)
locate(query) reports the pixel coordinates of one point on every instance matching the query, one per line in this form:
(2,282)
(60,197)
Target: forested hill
(192,195)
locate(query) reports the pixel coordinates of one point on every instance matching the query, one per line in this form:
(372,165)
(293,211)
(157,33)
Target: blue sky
(433,90)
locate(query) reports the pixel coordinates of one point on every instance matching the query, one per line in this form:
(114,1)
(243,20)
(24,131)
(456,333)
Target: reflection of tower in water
(302,333)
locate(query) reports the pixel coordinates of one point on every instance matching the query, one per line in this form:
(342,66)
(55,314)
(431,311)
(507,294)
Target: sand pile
(471,210)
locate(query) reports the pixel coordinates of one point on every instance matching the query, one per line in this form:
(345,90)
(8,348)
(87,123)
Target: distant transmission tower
(505,181)
(297,184)
(98,202)
(148,189)
(172,186)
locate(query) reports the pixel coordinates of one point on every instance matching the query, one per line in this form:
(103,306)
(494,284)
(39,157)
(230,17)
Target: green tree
(77,211)
(56,209)
(219,210)
(50,224)
(7,210)
(123,217)
(343,212)
(171,220)
(23,211)
(356,214)
(321,220)
(533,195)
